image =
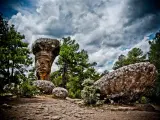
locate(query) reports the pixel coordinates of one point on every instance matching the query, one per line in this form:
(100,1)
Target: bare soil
(47,108)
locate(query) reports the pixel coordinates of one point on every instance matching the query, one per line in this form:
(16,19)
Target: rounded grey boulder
(44,86)
(128,81)
(60,92)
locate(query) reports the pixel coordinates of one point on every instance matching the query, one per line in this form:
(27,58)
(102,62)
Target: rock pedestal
(128,81)
(45,51)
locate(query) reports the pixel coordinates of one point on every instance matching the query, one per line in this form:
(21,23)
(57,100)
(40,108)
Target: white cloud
(98,26)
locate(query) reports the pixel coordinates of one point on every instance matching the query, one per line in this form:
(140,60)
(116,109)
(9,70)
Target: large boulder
(128,82)
(60,92)
(44,86)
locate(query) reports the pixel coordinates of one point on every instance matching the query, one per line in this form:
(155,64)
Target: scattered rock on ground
(44,86)
(47,108)
(56,117)
(6,106)
(145,107)
(60,92)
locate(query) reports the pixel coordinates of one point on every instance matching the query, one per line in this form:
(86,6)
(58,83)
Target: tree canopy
(14,54)
(154,57)
(74,67)
(133,56)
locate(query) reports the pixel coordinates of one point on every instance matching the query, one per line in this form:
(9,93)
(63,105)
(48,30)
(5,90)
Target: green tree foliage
(154,57)
(31,74)
(74,68)
(90,93)
(133,56)
(104,72)
(23,89)
(26,89)
(14,54)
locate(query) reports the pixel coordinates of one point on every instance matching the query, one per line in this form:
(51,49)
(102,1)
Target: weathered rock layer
(128,81)
(45,51)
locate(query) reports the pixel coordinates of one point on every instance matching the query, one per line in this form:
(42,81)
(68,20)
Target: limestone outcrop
(45,51)
(128,81)
(44,86)
(60,93)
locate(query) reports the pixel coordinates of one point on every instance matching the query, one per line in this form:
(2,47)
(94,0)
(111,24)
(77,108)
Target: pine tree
(154,57)
(74,68)
(134,56)
(14,54)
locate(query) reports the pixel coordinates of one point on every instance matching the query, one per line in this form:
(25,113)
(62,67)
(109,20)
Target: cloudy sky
(104,28)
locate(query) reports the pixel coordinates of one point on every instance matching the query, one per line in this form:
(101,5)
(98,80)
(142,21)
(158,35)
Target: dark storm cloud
(6,7)
(102,27)
(9,7)
(143,13)
(138,9)
(143,17)
(9,2)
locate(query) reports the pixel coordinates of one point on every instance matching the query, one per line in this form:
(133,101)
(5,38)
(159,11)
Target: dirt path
(46,108)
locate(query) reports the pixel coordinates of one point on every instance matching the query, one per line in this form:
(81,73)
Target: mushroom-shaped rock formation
(45,51)
(128,82)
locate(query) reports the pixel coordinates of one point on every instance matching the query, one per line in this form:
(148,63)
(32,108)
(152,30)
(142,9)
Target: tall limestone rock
(45,51)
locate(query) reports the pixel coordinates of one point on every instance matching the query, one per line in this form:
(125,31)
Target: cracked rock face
(128,81)
(45,51)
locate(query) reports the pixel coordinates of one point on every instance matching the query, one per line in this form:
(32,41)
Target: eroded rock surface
(45,51)
(128,81)
(60,92)
(44,86)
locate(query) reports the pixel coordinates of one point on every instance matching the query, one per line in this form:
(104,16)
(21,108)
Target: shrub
(23,89)
(90,93)
(74,87)
(27,89)
(143,100)
(11,88)
(87,82)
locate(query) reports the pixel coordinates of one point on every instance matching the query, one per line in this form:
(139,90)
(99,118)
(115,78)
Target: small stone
(6,106)
(46,117)
(77,115)
(60,92)
(37,112)
(46,114)
(56,117)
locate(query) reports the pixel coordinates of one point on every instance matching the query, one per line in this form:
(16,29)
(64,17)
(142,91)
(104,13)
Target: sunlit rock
(128,81)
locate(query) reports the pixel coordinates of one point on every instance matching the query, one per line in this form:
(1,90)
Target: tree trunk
(8,74)
(64,78)
(12,71)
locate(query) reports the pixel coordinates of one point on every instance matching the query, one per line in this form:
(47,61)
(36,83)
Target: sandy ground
(47,108)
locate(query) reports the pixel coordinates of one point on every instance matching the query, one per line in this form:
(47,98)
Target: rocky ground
(47,108)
